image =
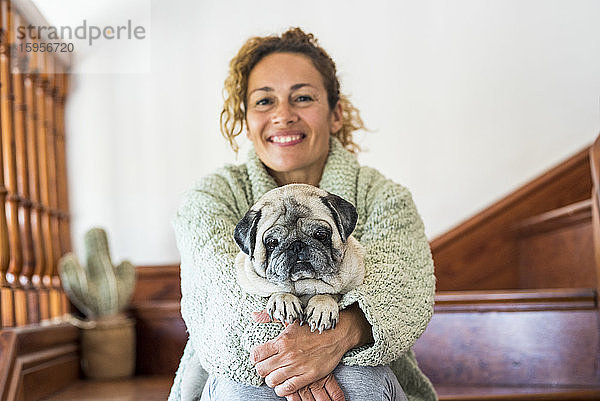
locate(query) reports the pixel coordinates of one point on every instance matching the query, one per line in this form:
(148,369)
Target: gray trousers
(359,383)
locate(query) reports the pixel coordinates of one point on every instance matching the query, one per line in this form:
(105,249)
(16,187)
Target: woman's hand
(325,389)
(297,358)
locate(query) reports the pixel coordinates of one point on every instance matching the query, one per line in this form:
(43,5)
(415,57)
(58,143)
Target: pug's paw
(322,312)
(284,307)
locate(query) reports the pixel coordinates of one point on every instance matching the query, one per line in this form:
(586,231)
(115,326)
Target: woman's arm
(397,294)
(298,357)
(215,309)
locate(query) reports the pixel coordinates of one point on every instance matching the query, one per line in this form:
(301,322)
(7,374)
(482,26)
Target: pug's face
(296,232)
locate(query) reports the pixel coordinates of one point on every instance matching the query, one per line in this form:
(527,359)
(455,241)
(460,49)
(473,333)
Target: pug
(297,249)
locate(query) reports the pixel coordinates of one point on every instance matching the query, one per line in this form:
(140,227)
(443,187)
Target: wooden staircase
(513,344)
(516,314)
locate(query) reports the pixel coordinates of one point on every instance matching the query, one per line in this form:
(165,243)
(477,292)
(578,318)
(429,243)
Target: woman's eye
(304,98)
(263,102)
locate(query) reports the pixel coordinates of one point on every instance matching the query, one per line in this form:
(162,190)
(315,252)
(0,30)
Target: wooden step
(161,336)
(488,345)
(556,248)
(156,388)
(571,215)
(500,343)
(505,393)
(139,388)
(37,360)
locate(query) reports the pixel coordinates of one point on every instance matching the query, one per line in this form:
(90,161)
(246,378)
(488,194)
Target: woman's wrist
(357,329)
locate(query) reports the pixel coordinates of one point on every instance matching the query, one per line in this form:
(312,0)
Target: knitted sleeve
(215,309)
(398,291)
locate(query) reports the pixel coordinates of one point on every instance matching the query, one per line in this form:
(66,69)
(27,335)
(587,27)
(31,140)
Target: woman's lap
(359,383)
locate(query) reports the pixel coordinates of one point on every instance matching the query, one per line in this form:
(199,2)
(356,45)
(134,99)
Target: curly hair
(255,49)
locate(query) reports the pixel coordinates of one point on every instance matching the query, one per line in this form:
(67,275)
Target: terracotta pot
(108,347)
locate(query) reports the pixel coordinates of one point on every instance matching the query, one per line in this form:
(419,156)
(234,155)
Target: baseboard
(37,360)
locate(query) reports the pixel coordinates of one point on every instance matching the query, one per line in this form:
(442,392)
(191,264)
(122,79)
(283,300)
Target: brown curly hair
(255,49)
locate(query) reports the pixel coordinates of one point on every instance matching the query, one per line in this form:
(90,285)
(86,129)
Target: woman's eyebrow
(264,88)
(269,89)
(298,86)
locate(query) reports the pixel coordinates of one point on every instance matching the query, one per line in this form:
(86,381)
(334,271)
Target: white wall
(467,100)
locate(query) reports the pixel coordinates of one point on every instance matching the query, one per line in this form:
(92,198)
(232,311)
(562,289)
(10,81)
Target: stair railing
(34,230)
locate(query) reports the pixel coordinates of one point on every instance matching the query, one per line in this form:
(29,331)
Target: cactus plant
(98,289)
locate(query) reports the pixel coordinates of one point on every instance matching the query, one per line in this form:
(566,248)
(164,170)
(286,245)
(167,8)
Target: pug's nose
(296,247)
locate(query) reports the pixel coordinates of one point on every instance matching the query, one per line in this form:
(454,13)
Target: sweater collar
(339,176)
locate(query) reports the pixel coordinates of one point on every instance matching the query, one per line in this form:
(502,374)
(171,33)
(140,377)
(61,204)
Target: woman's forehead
(284,72)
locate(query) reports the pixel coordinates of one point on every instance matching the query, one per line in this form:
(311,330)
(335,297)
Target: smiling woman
(294,42)
(284,91)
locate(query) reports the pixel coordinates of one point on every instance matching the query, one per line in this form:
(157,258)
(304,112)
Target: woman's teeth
(285,138)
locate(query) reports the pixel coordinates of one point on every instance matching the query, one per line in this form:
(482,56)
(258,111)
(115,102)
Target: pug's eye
(321,235)
(271,243)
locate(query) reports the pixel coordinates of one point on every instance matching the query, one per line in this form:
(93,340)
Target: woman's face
(288,118)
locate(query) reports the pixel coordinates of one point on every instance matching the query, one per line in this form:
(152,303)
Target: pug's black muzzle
(292,263)
(298,259)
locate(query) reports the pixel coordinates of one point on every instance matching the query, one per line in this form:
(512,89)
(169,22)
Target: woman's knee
(369,383)
(219,388)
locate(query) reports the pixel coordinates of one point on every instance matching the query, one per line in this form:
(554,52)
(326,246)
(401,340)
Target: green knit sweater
(396,295)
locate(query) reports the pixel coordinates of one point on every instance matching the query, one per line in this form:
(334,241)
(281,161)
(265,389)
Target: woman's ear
(336,120)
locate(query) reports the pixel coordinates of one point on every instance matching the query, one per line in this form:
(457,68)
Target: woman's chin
(286,167)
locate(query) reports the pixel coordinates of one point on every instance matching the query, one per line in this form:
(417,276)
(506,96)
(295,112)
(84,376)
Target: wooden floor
(156,388)
(464,393)
(149,388)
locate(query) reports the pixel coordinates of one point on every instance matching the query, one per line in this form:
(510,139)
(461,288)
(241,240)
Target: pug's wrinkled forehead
(301,195)
(290,205)
(286,206)
(299,201)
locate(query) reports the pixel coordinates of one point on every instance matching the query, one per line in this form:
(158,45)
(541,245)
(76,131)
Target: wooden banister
(595,172)
(8,160)
(39,248)
(35,359)
(22,111)
(14,199)
(484,252)
(34,230)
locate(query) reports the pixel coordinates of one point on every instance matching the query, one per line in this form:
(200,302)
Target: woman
(284,90)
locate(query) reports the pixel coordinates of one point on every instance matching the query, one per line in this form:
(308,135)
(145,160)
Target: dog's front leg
(284,307)
(322,312)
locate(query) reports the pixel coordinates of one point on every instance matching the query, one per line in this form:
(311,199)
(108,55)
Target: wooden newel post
(12,199)
(64,231)
(6,296)
(24,131)
(53,211)
(42,149)
(37,209)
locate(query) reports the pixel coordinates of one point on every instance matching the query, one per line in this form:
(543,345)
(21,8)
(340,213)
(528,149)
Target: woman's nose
(284,114)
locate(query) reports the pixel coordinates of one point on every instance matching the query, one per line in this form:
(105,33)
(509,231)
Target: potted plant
(101,291)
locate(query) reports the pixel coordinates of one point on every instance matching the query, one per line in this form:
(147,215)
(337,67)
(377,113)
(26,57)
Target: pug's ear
(245,232)
(343,212)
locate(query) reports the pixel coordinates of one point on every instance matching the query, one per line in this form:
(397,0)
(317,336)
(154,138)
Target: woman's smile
(289,138)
